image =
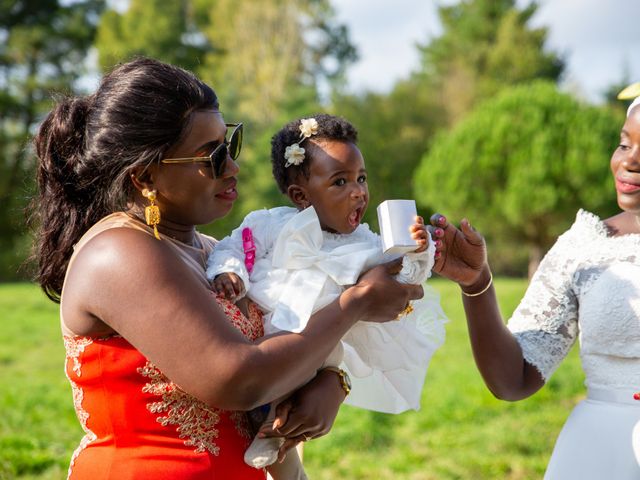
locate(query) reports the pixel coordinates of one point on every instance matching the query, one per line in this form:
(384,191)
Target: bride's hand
(461,254)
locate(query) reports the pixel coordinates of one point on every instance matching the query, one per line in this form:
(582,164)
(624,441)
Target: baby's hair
(330,127)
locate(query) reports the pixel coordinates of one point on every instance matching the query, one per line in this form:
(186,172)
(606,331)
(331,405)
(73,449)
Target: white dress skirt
(601,439)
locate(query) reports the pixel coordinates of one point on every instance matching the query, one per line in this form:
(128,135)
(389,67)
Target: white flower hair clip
(294,154)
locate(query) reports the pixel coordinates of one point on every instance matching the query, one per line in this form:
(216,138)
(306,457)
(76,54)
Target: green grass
(461,432)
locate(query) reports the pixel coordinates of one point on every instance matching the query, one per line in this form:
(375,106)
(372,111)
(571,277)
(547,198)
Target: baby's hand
(229,285)
(419,234)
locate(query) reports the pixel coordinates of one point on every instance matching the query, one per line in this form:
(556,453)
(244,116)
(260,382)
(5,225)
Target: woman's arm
(137,286)
(462,258)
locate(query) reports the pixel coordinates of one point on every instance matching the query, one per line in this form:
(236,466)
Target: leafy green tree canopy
(393,133)
(265,60)
(43,47)
(485,46)
(521,165)
(164,30)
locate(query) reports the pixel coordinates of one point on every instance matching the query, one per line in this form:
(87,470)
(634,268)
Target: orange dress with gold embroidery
(140,425)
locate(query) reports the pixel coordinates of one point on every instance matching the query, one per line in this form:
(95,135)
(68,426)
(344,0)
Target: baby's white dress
(299,269)
(588,288)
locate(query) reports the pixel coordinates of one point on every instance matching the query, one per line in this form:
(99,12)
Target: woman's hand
(378,296)
(308,413)
(461,254)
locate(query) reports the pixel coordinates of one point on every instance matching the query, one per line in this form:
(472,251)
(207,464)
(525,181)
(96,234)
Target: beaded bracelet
(481,291)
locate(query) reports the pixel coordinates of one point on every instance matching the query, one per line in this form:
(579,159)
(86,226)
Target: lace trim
(83,416)
(195,421)
(592,222)
(595,226)
(74,347)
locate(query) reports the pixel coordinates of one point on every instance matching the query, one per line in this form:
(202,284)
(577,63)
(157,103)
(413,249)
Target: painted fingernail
(437,255)
(439,232)
(442,220)
(438,243)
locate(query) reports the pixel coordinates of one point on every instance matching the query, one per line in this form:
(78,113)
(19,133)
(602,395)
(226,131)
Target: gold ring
(407,310)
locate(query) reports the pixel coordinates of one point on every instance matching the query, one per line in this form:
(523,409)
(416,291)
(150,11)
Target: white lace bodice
(588,288)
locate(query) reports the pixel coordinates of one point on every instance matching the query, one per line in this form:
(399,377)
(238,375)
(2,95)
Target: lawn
(461,432)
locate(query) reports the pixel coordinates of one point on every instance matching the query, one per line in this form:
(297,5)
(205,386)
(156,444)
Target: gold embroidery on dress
(74,347)
(195,420)
(83,416)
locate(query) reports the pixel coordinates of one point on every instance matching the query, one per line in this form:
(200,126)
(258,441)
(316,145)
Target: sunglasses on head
(218,157)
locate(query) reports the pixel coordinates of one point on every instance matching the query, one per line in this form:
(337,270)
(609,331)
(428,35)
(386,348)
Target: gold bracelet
(345,381)
(481,291)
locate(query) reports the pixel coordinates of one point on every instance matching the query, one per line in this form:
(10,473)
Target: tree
(43,46)
(394,131)
(273,51)
(265,61)
(521,165)
(164,30)
(486,45)
(611,92)
(271,59)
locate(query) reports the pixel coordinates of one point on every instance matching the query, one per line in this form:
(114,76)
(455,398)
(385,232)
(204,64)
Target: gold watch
(345,381)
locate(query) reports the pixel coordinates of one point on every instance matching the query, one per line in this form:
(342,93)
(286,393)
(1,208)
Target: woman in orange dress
(161,370)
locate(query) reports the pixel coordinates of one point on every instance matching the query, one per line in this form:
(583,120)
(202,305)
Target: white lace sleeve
(546,321)
(228,254)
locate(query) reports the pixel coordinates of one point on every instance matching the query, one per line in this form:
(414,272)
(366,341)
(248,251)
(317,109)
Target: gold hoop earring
(152,212)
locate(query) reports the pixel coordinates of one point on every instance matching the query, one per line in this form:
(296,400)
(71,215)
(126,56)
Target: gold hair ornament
(152,212)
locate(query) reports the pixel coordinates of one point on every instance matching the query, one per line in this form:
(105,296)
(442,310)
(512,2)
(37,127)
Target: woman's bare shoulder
(110,270)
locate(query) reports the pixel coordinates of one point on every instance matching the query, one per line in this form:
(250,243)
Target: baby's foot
(263,451)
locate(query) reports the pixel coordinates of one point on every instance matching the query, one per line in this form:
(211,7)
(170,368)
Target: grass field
(461,432)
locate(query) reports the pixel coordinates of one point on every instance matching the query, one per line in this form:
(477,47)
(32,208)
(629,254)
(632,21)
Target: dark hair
(330,127)
(88,146)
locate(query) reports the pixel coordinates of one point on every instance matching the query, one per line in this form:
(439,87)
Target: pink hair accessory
(249,248)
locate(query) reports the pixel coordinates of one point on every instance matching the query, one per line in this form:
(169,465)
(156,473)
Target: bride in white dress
(587,288)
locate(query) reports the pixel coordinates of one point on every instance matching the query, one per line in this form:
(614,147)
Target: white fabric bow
(315,276)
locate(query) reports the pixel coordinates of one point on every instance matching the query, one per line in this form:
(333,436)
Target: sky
(597,38)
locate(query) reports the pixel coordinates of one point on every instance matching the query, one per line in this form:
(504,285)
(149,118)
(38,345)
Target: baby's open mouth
(355,217)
